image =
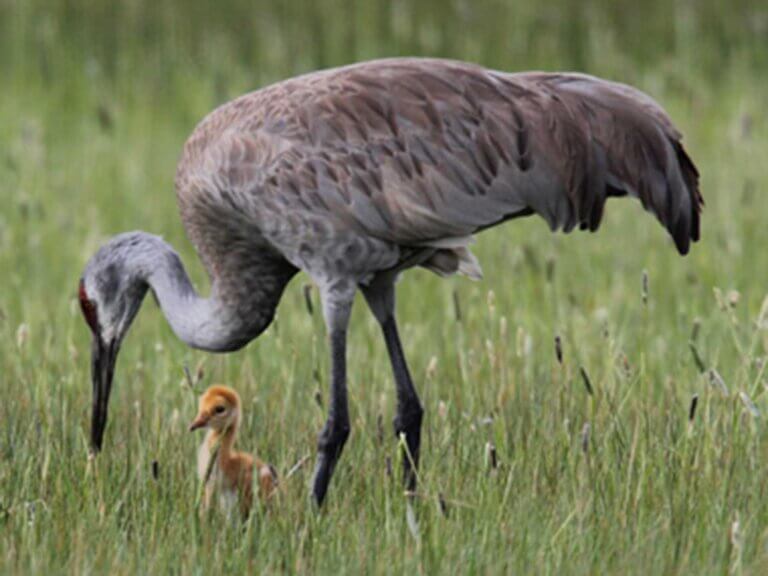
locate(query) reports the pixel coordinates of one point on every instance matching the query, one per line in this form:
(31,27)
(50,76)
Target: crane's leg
(380,295)
(337,305)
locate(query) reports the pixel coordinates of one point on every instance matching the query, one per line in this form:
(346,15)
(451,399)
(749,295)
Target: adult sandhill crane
(356,174)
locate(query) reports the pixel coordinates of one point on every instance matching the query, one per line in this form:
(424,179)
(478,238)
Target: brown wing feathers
(612,141)
(415,150)
(593,138)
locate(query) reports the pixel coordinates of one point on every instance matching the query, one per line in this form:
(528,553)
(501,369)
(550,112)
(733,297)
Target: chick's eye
(219,409)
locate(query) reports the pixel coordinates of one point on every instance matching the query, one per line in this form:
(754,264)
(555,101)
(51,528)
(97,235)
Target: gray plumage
(358,173)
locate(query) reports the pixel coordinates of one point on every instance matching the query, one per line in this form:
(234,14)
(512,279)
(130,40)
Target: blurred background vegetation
(149,50)
(266,40)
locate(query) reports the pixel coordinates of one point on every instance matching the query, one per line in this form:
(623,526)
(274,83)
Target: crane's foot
(407,425)
(329,447)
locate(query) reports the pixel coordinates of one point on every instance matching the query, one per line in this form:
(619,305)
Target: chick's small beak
(200,422)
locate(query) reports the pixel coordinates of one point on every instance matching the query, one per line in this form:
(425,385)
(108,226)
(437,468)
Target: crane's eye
(219,409)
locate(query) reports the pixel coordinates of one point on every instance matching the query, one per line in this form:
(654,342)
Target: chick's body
(229,477)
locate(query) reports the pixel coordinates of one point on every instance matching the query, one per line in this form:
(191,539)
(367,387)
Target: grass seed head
(645,287)
(380,428)
(432,368)
(587,381)
(491,459)
(188,380)
(585,433)
(442,504)
(749,405)
(520,342)
(697,357)
(717,382)
(491,300)
(22,335)
(625,365)
(491,352)
(559,349)
(200,371)
(457,306)
(692,408)
(734,533)
(695,329)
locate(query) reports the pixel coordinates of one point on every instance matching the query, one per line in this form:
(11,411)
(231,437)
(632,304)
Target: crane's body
(355,174)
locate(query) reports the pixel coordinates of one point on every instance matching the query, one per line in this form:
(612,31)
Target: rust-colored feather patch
(88,307)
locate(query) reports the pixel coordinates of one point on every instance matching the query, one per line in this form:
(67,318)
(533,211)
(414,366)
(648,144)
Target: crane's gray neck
(215,323)
(203,323)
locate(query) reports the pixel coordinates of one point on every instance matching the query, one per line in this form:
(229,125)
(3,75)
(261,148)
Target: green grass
(95,106)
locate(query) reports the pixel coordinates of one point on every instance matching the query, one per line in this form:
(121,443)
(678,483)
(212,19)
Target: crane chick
(230,475)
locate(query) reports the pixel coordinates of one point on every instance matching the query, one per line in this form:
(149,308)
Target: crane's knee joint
(333,436)
(408,421)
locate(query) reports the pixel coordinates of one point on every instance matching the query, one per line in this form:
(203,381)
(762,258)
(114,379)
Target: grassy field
(618,476)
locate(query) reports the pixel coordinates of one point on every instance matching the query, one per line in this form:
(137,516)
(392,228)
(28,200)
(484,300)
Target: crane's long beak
(103,356)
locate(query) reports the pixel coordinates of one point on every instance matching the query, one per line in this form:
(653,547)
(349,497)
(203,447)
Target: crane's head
(219,409)
(111,291)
